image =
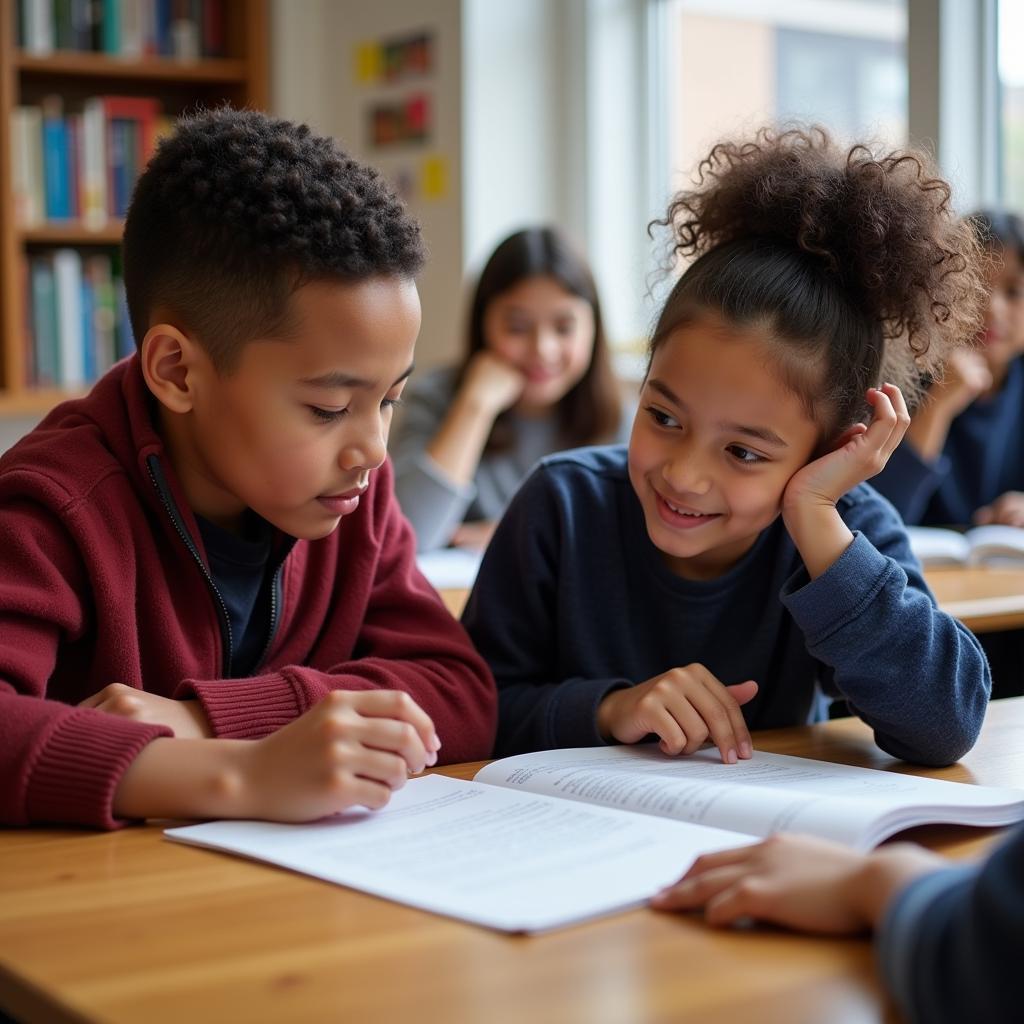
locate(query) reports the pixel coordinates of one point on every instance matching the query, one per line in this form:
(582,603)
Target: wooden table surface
(984,599)
(129,927)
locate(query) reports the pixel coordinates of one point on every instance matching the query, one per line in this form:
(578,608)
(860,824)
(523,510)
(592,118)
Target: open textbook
(547,839)
(982,545)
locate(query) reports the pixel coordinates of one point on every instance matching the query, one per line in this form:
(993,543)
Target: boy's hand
(185,717)
(354,748)
(1007,509)
(684,707)
(861,453)
(798,881)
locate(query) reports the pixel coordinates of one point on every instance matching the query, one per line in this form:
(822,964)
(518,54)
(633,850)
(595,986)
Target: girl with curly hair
(730,569)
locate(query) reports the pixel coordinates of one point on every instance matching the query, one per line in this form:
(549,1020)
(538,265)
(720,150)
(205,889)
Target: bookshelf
(240,76)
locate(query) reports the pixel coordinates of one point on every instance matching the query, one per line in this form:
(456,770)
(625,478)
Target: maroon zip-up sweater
(103,580)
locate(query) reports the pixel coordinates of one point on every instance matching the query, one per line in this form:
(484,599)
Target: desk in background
(127,926)
(984,599)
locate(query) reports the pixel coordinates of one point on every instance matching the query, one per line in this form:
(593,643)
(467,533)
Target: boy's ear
(170,360)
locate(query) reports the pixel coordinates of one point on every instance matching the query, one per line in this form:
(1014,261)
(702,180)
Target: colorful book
(67,274)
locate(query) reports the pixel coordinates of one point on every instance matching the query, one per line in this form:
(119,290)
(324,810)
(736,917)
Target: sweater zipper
(275,605)
(171,508)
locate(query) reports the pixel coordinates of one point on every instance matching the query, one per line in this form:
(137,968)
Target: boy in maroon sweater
(209,605)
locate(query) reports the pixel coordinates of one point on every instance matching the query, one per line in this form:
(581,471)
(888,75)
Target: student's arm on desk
(351,749)
(405,640)
(948,937)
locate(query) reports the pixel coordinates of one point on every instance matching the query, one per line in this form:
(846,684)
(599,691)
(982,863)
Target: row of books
(180,29)
(76,317)
(82,165)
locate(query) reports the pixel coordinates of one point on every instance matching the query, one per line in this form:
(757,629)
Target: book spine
(56,162)
(44,318)
(94,163)
(110,24)
(67,270)
(39,27)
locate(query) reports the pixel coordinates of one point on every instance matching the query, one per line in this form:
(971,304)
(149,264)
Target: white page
(769,793)
(935,546)
(450,568)
(508,860)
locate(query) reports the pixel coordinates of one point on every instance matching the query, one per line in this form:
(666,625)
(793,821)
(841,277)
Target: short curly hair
(236,210)
(853,262)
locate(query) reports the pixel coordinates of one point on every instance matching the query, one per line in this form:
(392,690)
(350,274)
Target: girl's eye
(390,403)
(661,418)
(744,455)
(326,415)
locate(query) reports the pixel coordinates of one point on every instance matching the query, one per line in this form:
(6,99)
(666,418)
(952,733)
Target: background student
(962,461)
(734,542)
(209,605)
(948,937)
(536,378)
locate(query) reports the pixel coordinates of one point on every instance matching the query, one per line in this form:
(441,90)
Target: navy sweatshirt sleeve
(949,946)
(916,675)
(909,482)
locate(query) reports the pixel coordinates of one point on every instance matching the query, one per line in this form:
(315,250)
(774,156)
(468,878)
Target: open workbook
(982,545)
(542,840)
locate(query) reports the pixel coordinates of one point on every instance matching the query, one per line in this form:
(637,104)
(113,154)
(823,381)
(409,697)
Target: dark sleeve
(950,944)
(913,673)
(512,617)
(909,482)
(434,504)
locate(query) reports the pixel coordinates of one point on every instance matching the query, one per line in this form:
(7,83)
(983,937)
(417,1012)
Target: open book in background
(982,545)
(450,568)
(547,839)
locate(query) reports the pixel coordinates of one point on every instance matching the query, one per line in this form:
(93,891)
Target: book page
(997,545)
(769,793)
(935,546)
(508,860)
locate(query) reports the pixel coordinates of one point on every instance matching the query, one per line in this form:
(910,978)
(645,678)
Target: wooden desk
(128,927)
(983,599)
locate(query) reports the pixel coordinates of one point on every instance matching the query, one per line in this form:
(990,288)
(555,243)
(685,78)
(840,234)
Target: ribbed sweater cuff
(246,709)
(81,763)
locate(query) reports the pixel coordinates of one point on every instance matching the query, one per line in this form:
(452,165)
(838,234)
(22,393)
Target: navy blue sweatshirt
(950,944)
(573,601)
(983,458)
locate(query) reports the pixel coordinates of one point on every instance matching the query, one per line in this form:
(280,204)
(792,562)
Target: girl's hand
(861,453)
(966,376)
(185,717)
(474,536)
(798,881)
(684,707)
(492,383)
(1007,509)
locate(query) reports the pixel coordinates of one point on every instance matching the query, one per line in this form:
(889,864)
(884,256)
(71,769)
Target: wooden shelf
(149,69)
(241,78)
(73,233)
(33,402)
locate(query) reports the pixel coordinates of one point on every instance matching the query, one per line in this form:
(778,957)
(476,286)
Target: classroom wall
(314,79)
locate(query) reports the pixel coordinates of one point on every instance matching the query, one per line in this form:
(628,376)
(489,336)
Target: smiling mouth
(679,516)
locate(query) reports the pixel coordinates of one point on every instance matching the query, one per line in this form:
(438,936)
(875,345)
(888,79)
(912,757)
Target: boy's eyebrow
(765,434)
(339,379)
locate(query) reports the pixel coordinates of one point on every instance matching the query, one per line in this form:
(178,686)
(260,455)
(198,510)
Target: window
(1011,90)
(733,65)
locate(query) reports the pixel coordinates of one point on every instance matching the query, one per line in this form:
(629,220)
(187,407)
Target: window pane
(736,64)
(1011,87)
